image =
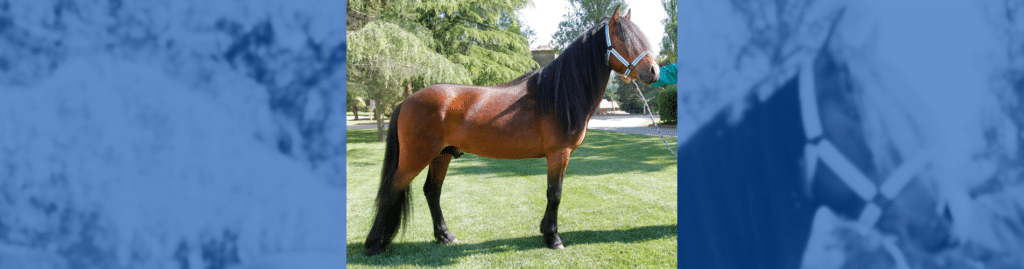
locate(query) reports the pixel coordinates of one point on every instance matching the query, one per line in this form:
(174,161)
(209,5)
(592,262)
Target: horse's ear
(628,12)
(615,16)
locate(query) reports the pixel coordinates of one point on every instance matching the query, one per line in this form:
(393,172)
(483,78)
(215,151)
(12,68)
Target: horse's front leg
(556,170)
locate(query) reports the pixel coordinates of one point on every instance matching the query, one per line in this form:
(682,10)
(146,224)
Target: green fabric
(667,76)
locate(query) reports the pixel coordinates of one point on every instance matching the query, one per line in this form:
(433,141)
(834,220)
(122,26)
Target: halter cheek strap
(612,51)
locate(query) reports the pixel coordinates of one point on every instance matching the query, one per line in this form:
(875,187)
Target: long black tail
(393,206)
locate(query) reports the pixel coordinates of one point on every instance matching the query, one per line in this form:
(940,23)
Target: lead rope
(651,114)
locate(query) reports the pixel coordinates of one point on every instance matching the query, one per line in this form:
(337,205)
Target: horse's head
(628,50)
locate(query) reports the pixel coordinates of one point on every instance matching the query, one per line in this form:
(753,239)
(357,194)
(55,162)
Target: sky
(544,17)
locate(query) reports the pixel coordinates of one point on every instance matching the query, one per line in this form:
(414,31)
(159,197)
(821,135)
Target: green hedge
(667,105)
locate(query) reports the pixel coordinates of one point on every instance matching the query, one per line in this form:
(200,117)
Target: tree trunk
(381,131)
(375,114)
(355,111)
(408,90)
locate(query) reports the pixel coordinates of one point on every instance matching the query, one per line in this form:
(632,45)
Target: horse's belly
(500,145)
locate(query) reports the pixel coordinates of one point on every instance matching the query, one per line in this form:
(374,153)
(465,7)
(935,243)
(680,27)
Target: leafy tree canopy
(384,57)
(584,14)
(668,41)
(482,35)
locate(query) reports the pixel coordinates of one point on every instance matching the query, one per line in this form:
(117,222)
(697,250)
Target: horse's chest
(578,140)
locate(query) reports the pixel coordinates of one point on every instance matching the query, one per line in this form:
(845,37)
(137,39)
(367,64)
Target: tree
(668,41)
(667,105)
(354,104)
(629,100)
(384,60)
(530,34)
(583,16)
(484,36)
(774,29)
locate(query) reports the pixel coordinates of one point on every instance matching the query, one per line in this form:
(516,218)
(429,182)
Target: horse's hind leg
(401,165)
(432,190)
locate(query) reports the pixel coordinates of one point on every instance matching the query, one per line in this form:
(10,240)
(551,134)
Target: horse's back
(497,122)
(436,101)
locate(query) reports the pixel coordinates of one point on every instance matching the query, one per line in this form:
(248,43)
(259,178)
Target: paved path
(632,124)
(364,126)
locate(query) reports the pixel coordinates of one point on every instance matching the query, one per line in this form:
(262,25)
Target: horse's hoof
(553,241)
(446,238)
(374,250)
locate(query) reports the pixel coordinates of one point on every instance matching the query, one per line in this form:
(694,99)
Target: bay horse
(543,113)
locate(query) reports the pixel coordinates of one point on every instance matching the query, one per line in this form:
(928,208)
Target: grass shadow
(362,136)
(433,254)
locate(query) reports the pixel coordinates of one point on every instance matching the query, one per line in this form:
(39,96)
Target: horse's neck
(585,83)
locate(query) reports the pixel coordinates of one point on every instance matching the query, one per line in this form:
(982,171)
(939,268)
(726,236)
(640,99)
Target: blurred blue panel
(863,134)
(172,134)
(739,201)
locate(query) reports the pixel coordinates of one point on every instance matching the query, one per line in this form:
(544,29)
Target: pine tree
(482,35)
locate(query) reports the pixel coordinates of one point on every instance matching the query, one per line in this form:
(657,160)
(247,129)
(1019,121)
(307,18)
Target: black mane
(568,88)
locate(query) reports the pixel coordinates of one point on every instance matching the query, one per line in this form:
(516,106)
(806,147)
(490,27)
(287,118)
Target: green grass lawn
(618,208)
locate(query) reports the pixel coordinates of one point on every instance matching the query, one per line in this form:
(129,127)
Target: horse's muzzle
(649,74)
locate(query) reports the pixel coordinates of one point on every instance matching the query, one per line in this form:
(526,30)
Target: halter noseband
(611,50)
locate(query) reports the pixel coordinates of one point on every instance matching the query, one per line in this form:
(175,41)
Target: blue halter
(611,51)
